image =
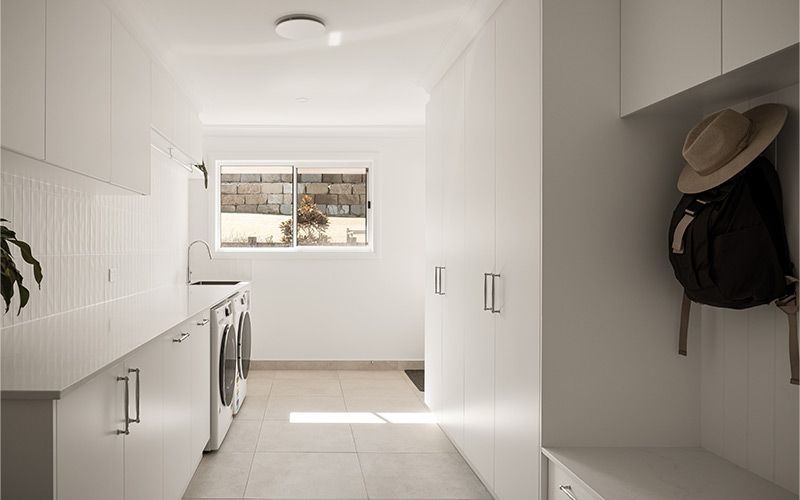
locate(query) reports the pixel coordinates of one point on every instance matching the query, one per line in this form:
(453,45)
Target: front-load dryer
(224,361)
(241,314)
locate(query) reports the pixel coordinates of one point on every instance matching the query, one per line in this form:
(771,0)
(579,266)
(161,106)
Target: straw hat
(723,144)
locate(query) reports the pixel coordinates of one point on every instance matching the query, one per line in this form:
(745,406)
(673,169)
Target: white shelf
(662,474)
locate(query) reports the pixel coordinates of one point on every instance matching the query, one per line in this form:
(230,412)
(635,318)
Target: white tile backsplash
(79,228)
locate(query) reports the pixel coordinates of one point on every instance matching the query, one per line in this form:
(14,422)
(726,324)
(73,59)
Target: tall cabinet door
(78,86)
(177,412)
(89,449)
(518,240)
(201,378)
(23,69)
(453,246)
(144,446)
(130,111)
(433,252)
(479,253)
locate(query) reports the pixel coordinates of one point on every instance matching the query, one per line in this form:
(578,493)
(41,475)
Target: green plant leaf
(7,287)
(202,167)
(7,233)
(27,256)
(10,273)
(24,295)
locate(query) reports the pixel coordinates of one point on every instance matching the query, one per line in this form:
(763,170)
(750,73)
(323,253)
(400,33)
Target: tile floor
(336,435)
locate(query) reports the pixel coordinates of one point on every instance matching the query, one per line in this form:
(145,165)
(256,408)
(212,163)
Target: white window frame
(316,161)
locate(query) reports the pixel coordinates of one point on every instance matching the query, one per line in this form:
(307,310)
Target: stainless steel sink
(215,283)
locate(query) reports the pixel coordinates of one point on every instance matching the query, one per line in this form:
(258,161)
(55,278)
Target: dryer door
(227,365)
(244,344)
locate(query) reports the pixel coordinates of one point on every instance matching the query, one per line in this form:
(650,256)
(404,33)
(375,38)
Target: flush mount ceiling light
(299,27)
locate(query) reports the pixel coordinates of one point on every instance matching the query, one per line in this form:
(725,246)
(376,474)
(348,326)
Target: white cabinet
(561,484)
(173,115)
(670,47)
(177,382)
(667,47)
(453,278)
(479,253)
(164,101)
(201,378)
(183,113)
(144,445)
(518,246)
(80,448)
(484,163)
(195,137)
(23,71)
(89,449)
(434,257)
(130,111)
(752,30)
(78,86)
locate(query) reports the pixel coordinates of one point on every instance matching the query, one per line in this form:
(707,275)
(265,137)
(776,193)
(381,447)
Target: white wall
(749,408)
(79,227)
(327,307)
(611,372)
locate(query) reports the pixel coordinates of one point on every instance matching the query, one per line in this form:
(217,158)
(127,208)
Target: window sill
(309,253)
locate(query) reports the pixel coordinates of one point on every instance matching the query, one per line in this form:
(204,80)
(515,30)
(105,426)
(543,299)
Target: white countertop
(46,358)
(663,474)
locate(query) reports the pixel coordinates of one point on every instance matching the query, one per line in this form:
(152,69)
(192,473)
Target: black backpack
(728,249)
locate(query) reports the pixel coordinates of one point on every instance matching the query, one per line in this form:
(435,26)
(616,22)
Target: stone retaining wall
(341,195)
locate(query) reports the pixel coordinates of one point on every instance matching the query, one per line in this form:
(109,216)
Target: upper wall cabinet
(668,47)
(78,86)
(23,69)
(130,111)
(173,115)
(195,137)
(164,102)
(752,30)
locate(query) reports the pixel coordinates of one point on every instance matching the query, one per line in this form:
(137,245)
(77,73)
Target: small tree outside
(312,224)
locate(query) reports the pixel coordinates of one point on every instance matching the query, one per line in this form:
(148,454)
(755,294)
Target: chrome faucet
(189,259)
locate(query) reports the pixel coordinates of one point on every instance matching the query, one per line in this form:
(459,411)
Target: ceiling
(226,54)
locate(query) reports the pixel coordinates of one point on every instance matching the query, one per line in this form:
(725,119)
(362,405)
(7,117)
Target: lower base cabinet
(144,446)
(89,444)
(177,411)
(135,431)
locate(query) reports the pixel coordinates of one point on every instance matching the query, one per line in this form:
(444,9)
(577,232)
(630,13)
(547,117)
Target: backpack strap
(788,305)
(689,214)
(686,308)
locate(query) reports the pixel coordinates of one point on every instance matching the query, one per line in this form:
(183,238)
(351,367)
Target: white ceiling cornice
(316,131)
(468,27)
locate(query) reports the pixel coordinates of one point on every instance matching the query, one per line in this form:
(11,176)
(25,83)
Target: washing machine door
(227,365)
(244,344)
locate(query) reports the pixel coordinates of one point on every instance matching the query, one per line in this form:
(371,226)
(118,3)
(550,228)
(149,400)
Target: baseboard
(280,364)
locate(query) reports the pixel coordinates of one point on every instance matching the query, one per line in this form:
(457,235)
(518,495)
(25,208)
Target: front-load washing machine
(224,361)
(241,314)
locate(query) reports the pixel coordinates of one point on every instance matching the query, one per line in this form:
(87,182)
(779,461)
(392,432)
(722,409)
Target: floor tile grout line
(253,458)
(355,445)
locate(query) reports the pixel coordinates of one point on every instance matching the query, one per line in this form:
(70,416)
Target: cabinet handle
(441,289)
(136,392)
(567,490)
(494,297)
(436,280)
(202,322)
(184,336)
(485,291)
(127,429)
